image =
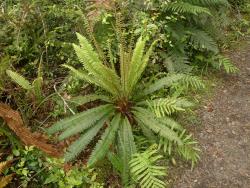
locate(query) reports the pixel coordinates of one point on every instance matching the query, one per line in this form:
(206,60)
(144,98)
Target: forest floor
(224,133)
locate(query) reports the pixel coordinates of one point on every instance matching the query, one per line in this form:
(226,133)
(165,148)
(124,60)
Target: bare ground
(224,136)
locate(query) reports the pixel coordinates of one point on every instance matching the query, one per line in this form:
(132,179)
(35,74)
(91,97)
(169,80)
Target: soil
(224,135)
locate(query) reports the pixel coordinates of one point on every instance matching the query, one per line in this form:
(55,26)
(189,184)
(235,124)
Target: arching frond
(78,120)
(126,148)
(105,142)
(81,143)
(188,80)
(150,121)
(145,170)
(162,82)
(166,106)
(94,66)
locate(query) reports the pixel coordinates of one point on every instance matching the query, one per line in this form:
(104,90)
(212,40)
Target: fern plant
(125,104)
(35,87)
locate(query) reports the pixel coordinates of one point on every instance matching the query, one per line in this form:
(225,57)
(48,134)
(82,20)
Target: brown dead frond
(15,123)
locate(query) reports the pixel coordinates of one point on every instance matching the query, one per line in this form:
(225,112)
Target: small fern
(145,171)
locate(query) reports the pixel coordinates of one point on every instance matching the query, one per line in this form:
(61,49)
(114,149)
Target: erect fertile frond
(81,100)
(141,66)
(151,121)
(105,142)
(94,66)
(183,7)
(19,79)
(135,63)
(145,170)
(81,143)
(202,40)
(79,119)
(126,148)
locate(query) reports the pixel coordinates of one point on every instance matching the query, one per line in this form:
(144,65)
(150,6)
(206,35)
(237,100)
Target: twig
(64,102)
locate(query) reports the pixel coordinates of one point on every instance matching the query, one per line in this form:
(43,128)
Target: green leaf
(19,79)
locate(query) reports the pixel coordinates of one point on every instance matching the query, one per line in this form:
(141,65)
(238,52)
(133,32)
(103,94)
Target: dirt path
(225,133)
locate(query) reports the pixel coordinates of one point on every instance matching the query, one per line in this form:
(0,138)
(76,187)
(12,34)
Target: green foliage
(75,177)
(145,171)
(29,163)
(123,107)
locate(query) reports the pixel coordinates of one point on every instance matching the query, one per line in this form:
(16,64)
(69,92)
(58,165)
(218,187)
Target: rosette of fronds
(125,104)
